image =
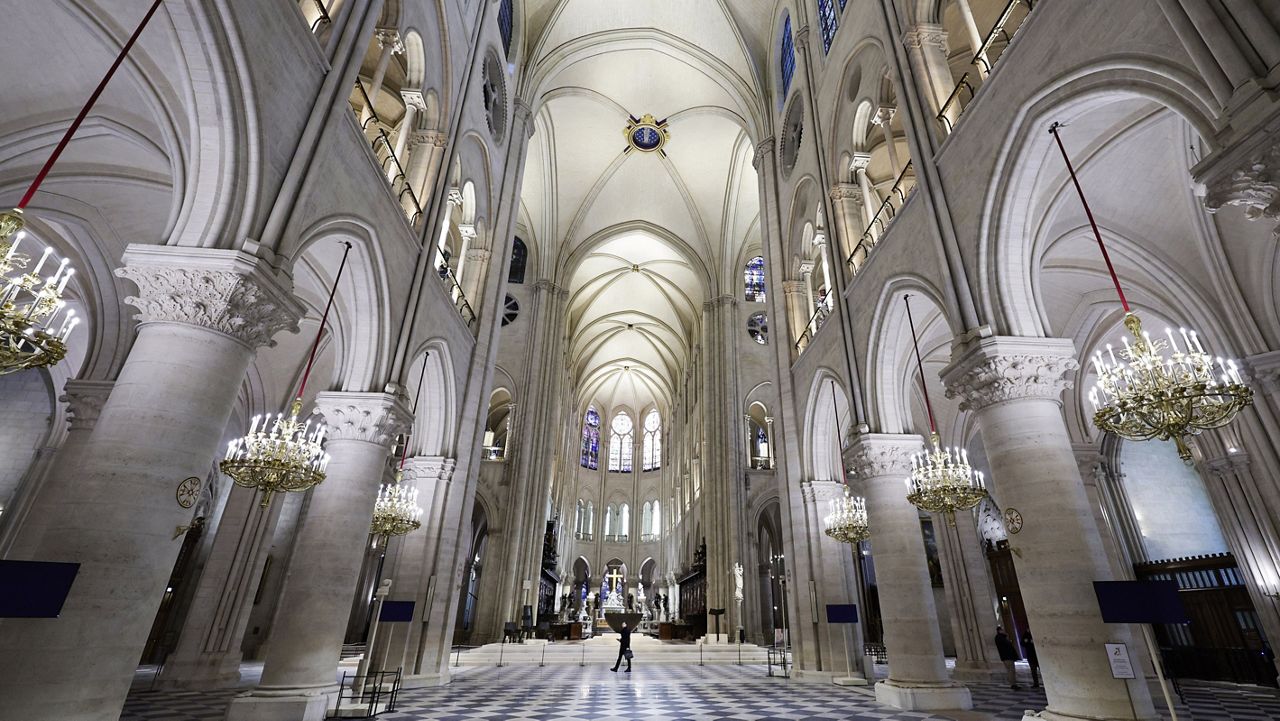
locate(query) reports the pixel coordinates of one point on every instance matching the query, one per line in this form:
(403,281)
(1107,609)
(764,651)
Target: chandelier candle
(33,327)
(1140,393)
(847,522)
(396,511)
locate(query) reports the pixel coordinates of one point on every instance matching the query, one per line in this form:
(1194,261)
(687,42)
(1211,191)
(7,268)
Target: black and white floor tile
(675,693)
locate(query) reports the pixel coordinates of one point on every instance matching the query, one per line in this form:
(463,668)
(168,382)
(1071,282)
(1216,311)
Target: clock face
(1012,520)
(188,491)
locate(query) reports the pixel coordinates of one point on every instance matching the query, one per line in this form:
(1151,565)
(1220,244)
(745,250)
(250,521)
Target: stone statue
(737,581)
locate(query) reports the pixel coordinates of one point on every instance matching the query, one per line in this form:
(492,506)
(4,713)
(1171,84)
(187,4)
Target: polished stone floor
(675,692)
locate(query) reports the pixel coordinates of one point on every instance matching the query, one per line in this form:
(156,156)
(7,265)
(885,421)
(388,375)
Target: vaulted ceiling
(641,239)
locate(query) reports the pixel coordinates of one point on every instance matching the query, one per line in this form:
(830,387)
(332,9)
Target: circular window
(758,328)
(792,134)
(645,138)
(494,91)
(510,311)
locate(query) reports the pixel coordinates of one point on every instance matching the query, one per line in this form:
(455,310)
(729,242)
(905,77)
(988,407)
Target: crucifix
(616,578)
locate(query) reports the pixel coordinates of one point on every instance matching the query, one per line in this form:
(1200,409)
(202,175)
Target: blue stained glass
(754,278)
(591,440)
(842,2)
(506,22)
(788,57)
(827,20)
(645,138)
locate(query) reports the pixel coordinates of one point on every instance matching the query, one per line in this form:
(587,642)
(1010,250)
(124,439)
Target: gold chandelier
(397,511)
(291,456)
(942,481)
(847,522)
(1142,394)
(33,328)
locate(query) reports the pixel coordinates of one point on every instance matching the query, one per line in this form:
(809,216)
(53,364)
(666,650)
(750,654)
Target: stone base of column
(1048,715)
(205,673)
(283,704)
(980,671)
(854,680)
(923,696)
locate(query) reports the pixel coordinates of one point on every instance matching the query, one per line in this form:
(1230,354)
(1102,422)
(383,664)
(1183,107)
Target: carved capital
(999,369)
(429,470)
(467,231)
(455,196)
(433,138)
(1263,371)
(846,191)
(821,493)
(1255,185)
(860,162)
(414,99)
(85,400)
(793,287)
(389,39)
(368,417)
(223,290)
(926,36)
(884,115)
(879,455)
(806,267)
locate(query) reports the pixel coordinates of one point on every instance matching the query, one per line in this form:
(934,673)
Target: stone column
(975,38)
(820,242)
(870,201)
(972,598)
(768,421)
(917,668)
(203,312)
(306,642)
(426,152)
(926,46)
(413,103)
(884,118)
(477,270)
(1013,385)
(834,582)
(794,294)
(208,651)
(453,201)
(810,305)
(846,200)
(26,518)
(389,44)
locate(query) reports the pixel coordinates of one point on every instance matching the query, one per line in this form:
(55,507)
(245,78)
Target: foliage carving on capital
(926,35)
(1255,186)
(868,460)
(369,417)
(85,400)
(846,191)
(244,306)
(389,38)
(995,378)
(822,492)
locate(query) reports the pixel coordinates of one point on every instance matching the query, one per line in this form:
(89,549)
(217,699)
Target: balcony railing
(375,132)
(811,328)
(318,15)
(883,218)
(617,538)
(985,58)
(761,463)
(648,537)
(582,536)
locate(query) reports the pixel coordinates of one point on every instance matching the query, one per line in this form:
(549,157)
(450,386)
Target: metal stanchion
(700,646)
(583,662)
(501,647)
(544,657)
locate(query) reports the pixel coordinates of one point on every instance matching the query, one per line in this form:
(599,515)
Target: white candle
(14,248)
(62,286)
(1173,345)
(43,258)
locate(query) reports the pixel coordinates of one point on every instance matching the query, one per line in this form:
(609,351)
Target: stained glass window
(653,441)
(591,440)
(754,278)
(506,23)
(758,328)
(827,20)
(519,257)
(788,57)
(622,442)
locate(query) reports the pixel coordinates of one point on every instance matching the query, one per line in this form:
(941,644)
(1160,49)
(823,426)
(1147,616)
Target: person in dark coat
(1008,654)
(1029,650)
(624,648)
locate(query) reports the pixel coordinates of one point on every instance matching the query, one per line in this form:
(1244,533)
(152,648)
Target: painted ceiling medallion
(646,134)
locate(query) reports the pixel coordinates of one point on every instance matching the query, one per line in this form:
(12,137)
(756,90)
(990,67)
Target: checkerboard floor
(675,693)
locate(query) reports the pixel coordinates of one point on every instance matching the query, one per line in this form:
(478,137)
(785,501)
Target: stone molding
(876,455)
(429,468)
(414,98)
(367,417)
(1004,368)
(884,115)
(389,38)
(1255,185)
(227,291)
(860,161)
(433,138)
(846,191)
(763,148)
(85,400)
(821,491)
(1263,371)
(1230,464)
(926,35)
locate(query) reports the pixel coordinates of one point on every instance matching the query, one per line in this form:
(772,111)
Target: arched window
(591,440)
(610,520)
(657,518)
(623,529)
(653,441)
(753,277)
(788,59)
(622,442)
(580,521)
(591,519)
(506,23)
(519,256)
(827,20)
(646,521)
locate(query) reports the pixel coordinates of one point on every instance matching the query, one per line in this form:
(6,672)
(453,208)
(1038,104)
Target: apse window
(758,328)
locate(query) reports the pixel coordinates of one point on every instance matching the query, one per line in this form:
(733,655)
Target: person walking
(624,648)
(1008,654)
(1029,650)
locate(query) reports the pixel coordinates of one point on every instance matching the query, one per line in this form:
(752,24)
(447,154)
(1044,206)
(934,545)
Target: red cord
(1053,130)
(324,320)
(75,124)
(933,427)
